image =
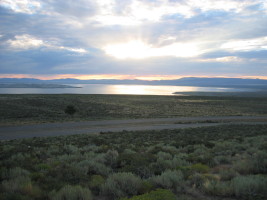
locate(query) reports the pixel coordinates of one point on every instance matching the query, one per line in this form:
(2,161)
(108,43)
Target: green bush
(121,185)
(198,180)
(218,188)
(227,174)
(259,162)
(14,196)
(96,182)
(92,167)
(146,187)
(222,160)
(169,180)
(250,186)
(164,156)
(200,168)
(21,185)
(111,158)
(70,109)
(159,194)
(243,166)
(137,163)
(69,192)
(14,173)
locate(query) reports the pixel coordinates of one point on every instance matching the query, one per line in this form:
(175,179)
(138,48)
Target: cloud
(22,6)
(246,45)
(224,5)
(137,12)
(223,59)
(26,42)
(175,37)
(76,50)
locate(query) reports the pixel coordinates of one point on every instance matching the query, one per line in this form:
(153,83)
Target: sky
(133,39)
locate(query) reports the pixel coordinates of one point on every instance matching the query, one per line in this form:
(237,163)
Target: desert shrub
(159,194)
(37,176)
(243,166)
(90,148)
(263,145)
(120,185)
(23,158)
(259,162)
(227,174)
(180,160)
(169,180)
(170,149)
(17,184)
(198,180)
(70,110)
(70,192)
(252,164)
(96,182)
(68,158)
(161,165)
(225,147)
(251,186)
(21,185)
(200,168)
(222,159)
(70,149)
(129,151)
(43,167)
(111,158)
(71,173)
(93,167)
(215,187)
(201,153)
(14,196)
(146,187)
(165,162)
(164,156)
(14,173)
(98,168)
(137,163)
(99,157)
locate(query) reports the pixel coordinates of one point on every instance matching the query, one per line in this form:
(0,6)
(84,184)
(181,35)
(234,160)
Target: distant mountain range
(191,81)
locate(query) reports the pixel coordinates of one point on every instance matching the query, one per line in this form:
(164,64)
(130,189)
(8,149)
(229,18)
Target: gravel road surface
(94,127)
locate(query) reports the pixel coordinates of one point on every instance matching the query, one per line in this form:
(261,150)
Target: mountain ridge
(188,81)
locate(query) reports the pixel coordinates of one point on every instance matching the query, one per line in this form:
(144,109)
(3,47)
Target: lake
(119,89)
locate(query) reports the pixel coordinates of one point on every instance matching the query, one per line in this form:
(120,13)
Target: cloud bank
(134,37)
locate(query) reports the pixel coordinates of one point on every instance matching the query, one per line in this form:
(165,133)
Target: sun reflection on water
(149,89)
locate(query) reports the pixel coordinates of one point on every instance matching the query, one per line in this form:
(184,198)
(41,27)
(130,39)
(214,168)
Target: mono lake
(119,89)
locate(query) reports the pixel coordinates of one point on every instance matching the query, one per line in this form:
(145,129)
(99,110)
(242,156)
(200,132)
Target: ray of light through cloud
(138,49)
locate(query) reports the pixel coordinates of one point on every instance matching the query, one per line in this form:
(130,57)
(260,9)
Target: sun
(133,49)
(137,49)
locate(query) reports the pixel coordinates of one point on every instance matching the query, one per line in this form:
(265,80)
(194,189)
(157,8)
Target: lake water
(118,89)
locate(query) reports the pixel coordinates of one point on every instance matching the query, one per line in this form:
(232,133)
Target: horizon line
(119,77)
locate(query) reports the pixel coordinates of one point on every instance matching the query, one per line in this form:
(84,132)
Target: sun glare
(133,49)
(136,49)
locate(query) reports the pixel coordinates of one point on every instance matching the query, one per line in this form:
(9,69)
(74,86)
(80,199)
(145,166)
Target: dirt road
(70,128)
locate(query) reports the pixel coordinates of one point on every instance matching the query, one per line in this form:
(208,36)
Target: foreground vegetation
(220,162)
(16,109)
